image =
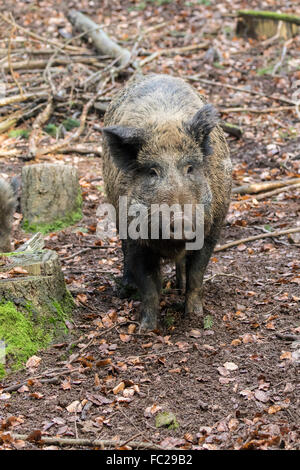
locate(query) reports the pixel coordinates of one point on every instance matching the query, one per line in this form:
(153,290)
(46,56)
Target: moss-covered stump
(34,305)
(266,24)
(51,197)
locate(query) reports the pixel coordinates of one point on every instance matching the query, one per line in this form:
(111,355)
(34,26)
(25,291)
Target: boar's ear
(201,125)
(124,144)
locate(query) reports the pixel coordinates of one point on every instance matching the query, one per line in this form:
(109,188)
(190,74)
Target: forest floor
(230,382)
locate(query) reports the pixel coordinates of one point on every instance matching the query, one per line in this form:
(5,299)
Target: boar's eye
(189,169)
(153,172)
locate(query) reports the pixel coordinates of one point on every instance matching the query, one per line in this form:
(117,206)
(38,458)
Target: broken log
(231,129)
(99,38)
(266,24)
(254,188)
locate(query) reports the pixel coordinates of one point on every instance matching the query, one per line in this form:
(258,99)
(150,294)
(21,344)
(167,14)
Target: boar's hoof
(148,322)
(194,304)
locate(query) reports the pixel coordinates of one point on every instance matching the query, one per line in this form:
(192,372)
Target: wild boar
(163,145)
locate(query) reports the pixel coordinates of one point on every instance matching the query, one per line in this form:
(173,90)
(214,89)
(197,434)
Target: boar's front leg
(196,263)
(145,266)
(128,286)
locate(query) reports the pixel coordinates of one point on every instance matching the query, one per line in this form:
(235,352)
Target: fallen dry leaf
(230,366)
(274,409)
(33,361)
(74,407)
(118,388)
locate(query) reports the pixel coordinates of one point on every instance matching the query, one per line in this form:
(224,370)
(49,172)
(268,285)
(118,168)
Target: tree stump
(51,197)
(266,24)
(34,303)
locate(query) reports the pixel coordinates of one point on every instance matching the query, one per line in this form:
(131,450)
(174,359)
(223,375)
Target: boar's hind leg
(145,266)
(180,274)
(196,263)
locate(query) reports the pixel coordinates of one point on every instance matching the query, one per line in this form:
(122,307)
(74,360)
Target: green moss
(15,133)
(52,130)
(25,331)
(70,123)
(21,336)
(264,70)
(208,322)
(166,419)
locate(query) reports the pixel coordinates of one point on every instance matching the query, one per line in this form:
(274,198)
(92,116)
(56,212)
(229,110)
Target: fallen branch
(268,194)
(42,63)
(66,441)
(232,129)
(12,120)
(259,187)
(65,143)
(276,233)
(99,38)
(257,110)
(10,63)
(39,121)
(10,153)
(83,148)
(19,98)
(5,125)
(275,191)
(288,337)
(41,378)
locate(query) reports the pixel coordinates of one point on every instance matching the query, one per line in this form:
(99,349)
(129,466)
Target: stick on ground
(276,233)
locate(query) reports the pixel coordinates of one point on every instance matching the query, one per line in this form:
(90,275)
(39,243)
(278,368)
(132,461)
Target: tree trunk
(267,24)
(51,197)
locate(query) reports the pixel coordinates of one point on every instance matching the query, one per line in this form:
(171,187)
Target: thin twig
(74,136)
(63,441)
(223,274)
(12,388)
(36,36)
(257,110)
(39,121)
(10,64)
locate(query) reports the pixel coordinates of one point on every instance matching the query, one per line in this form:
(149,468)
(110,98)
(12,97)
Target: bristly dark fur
(7,207)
